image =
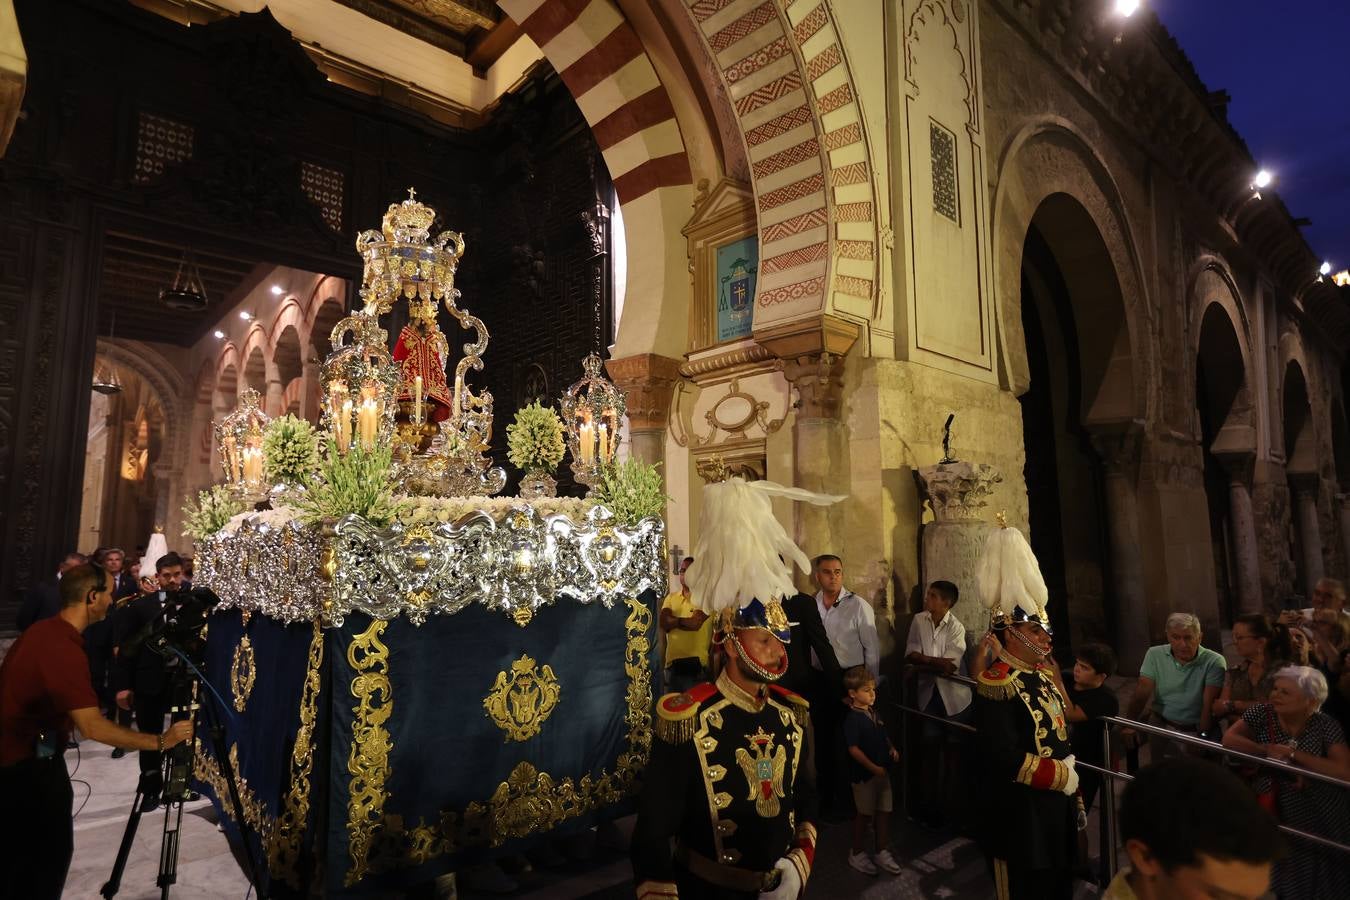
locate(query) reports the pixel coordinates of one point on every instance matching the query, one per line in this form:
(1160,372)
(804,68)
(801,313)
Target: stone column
(1309,530)
(1343,501)
(813,351)
(272,401)
(13,72)
(1119,452)
(648,381)
(820,450)
(1242,524)
(309,394)
(952,542)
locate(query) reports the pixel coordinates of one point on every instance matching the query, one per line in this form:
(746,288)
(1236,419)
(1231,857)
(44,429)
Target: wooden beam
(489,46)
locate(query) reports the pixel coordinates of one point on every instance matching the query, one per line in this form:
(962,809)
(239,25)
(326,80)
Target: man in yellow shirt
(688,633)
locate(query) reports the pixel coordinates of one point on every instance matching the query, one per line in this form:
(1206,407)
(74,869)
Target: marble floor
(206,868)
(936,864)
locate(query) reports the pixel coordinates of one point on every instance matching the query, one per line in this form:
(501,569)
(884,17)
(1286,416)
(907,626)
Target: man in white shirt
(851,626)
(848,619)
(936,646)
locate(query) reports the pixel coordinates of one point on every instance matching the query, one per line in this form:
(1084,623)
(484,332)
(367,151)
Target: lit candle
(344,425)
(586,442)
(604,442)
(417,400)
(252,465)
(366,423)
(459,397)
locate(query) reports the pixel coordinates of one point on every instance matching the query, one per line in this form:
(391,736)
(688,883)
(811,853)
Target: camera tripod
(175,770)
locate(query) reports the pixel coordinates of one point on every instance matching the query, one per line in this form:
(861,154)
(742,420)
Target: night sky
(1287,67)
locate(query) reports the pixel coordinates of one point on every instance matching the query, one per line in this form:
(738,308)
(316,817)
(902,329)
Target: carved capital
(819,381)
(1305,484)
(1240,467)
(1120,448)
(647,380)
(812,351)
(959,490)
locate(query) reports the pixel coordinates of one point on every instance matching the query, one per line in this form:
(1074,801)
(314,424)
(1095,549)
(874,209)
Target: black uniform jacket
(1023,739)
(142,671)
(729,781)
(808,634)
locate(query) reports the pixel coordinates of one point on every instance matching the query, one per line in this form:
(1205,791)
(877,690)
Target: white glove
(1071,783)
(789,887)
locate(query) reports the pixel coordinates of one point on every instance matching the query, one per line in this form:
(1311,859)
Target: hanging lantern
(105,376)
(592,411)
(359,383)
(239,440)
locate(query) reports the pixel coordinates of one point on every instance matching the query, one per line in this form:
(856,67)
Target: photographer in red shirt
(44,688)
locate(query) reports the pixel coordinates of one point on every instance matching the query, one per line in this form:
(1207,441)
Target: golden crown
(409,221)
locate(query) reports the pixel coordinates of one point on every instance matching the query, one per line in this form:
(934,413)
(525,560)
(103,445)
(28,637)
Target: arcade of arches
(1068,260)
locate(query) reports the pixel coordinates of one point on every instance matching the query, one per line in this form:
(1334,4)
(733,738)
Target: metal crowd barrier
(1109,844)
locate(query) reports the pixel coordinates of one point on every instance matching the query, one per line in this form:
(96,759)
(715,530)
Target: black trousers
(36,832)
(1016,881)
(150,712)
(827,717)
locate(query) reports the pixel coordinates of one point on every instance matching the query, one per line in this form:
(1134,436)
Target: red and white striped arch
(788,78)
(602,61)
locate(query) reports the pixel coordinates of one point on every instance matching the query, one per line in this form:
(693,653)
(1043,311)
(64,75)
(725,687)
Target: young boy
(1089,700)
(869,751)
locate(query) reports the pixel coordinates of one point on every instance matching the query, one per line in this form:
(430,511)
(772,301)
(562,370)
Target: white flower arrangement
(290,451)
(534,441)
(214,508)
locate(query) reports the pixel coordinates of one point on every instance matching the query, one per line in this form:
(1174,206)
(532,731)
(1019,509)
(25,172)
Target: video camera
(179,625)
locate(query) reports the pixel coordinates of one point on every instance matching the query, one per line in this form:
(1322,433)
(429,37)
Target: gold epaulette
(677,714)
(997,682)
(801,709)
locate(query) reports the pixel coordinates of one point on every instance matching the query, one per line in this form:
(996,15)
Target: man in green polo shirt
(1178,683)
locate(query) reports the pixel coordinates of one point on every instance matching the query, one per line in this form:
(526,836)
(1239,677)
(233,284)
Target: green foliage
(360,483)
(534,440)
(632,490)
(214,508)
(290,451)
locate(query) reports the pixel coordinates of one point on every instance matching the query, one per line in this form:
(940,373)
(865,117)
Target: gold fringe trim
(997,690)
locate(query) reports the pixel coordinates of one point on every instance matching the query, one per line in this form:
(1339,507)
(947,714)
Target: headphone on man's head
(102,583)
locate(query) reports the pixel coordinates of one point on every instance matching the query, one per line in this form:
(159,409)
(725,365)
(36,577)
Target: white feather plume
(737,554)
(154,549)
(1009,576)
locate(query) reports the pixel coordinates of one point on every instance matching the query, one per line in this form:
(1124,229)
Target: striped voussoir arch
(601,60)
(789,81)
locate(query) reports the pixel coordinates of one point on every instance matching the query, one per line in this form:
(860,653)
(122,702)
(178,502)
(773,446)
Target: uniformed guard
(731,778)
(1029,836)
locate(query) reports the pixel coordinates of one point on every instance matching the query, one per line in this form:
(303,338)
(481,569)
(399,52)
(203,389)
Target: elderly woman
(1264,649)
(1178,683)
(1290,728)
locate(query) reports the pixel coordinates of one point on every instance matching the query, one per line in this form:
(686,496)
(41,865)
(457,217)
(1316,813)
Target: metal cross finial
(412,193)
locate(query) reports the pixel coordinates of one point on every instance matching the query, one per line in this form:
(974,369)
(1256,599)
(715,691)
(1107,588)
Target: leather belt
(730,877)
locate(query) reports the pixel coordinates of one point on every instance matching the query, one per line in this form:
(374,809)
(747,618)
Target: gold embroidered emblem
(763,771)
(243,673)
(776,616)
(521,699)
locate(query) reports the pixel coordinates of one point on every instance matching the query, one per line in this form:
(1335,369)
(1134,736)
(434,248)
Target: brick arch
(601,59)
(785,71)
(289,314)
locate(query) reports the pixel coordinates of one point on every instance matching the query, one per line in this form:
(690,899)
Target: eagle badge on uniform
(763,771)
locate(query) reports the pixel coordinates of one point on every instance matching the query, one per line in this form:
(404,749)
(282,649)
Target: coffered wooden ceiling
(135,268)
